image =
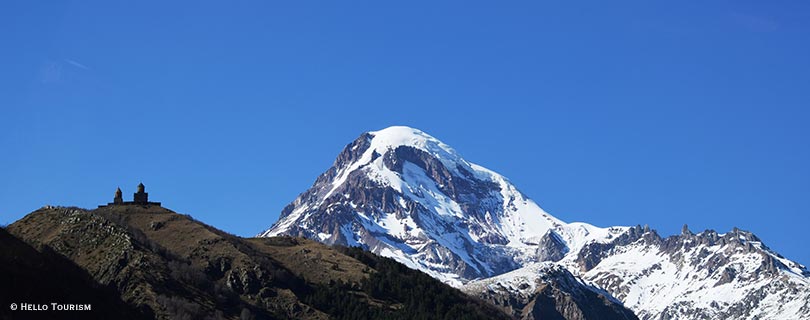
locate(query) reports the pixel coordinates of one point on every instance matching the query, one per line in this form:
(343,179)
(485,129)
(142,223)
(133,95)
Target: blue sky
(620,114)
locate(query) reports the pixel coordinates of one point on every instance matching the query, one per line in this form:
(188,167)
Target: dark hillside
(28,275)
(174,267)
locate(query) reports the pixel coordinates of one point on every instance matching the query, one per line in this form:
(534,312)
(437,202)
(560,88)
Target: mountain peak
(402,193)
(401,135)
(396,136)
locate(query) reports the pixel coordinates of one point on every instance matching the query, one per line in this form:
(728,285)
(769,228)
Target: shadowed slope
(42,276)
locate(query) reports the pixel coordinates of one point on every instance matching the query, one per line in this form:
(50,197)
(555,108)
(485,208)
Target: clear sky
(646,112)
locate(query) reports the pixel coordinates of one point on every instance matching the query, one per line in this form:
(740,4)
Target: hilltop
(170,266)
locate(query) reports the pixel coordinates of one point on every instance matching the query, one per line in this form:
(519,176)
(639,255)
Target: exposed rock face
(551,247)
(547,291)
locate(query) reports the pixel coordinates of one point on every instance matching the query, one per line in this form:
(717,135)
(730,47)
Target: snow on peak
(395,136)
(399,136)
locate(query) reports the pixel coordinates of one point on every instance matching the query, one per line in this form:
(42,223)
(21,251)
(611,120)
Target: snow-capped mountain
(403,194)
(697,276)
(688,276)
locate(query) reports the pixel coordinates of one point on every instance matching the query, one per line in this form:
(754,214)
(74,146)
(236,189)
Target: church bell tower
(141,197)
(119,197)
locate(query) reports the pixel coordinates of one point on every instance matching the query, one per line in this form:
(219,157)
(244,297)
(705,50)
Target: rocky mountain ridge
(698,276)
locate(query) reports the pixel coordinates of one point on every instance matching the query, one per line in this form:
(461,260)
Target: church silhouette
(139,198)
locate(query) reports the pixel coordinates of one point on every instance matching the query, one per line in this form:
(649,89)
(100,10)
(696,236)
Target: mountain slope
(173,267)
(547,291)
(41,276)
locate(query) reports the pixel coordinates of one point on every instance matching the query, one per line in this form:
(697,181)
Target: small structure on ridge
(141,197)
(119,199)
